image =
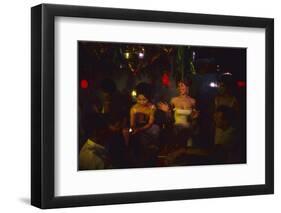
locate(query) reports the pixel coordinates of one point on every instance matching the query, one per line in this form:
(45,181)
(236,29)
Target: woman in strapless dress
(182,111)
(143,131)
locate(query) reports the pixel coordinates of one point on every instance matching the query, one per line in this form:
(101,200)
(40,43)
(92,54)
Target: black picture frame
(43,102)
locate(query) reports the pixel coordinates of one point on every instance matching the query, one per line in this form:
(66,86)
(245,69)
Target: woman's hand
(163,106)
(135,131)
(194,114)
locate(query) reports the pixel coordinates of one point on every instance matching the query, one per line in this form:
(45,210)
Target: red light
(241,84)
(84,84)
(165,79)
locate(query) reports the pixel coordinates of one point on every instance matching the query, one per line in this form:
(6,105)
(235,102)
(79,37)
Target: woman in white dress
(182,110)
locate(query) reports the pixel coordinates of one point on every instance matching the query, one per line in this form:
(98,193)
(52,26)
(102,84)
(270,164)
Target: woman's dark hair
(144,89)
(186,82)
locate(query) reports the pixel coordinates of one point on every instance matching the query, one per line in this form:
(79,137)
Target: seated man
(93,154)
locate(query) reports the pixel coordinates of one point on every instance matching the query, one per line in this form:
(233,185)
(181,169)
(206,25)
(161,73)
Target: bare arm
(195,112)
(193,103)
(132,118)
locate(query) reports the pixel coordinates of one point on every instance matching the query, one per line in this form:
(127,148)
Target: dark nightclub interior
(152,105)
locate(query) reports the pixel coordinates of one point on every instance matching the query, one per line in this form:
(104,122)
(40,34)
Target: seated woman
(182,111)
(144,132)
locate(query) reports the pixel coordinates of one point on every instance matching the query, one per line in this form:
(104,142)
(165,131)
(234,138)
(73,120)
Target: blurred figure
(112,99)
(115,103)
(226,136)
(105,148)
(226,97)
(115,142)
(93,154)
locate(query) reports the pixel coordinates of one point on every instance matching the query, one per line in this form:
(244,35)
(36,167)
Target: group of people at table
(116,140)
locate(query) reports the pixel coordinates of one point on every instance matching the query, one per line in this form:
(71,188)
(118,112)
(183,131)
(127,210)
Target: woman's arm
(132,118)
(195,112)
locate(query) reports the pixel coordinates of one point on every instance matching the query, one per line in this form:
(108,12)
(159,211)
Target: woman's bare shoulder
(192,100)
(174,99)
(134,108)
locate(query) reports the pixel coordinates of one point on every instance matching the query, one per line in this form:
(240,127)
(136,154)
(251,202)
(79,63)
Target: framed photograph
(139,106)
